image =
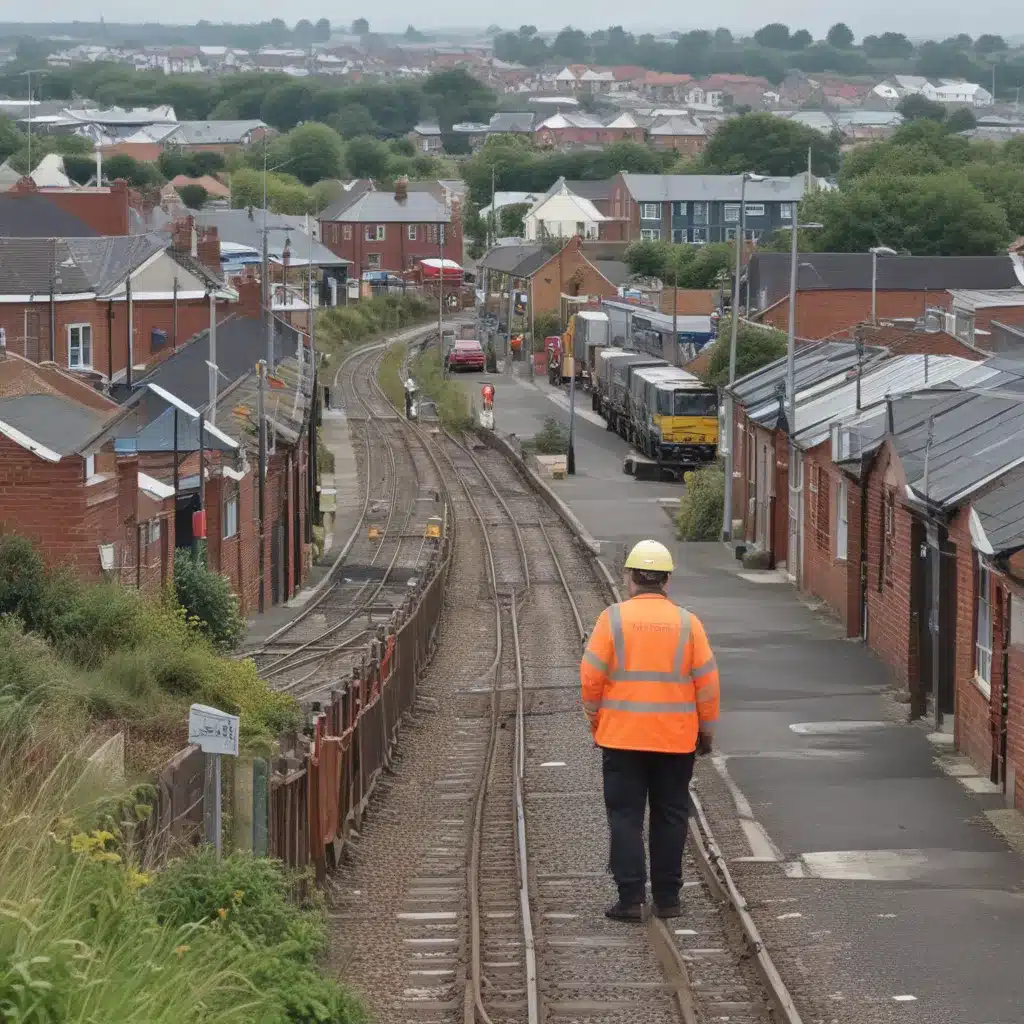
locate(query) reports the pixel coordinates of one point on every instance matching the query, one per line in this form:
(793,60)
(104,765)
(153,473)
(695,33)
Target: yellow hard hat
(650,555)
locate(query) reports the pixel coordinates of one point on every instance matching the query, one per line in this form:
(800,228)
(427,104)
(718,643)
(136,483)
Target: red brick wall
(397,251)
(104,210)
(1015,713)
(1012,315)
(689,145)
(820,314)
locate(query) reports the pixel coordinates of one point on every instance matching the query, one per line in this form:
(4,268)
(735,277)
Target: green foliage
(367,157)
(755,347)
(455,95)
(701,506)
(888,46)
(551,439)
(510,219)
(961,120)
(285,194)
(207,597)
(315,152)
(839,36)
(446,393)
(135,172)
(545,325)
(193,196)
(775,36)
(11,137)
(684,266)
(342,326)
(80,169)
(767,144)
(914,107)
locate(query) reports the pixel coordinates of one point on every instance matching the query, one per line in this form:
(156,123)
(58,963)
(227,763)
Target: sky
(917,19)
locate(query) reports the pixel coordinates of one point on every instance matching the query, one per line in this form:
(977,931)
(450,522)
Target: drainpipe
(130,328)
(53,304)
(110,340)
(174,325)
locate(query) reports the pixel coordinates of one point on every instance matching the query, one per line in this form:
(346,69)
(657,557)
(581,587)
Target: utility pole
(440,291)
(131,328)
(28,74)
(261,373)
(492,229)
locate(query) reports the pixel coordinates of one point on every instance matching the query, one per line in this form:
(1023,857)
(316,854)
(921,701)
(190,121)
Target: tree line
(771,53)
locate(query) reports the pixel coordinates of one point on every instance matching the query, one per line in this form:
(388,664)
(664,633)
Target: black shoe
(620,911)
(668,911)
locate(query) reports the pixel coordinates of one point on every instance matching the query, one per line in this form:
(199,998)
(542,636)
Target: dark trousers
(631,779)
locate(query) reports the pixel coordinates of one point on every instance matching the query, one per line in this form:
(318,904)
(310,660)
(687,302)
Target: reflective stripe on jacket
(649,674)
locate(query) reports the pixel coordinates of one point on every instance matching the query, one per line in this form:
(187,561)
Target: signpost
(215,733)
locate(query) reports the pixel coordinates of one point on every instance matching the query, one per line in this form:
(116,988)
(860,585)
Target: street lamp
(876,251)
(727,505)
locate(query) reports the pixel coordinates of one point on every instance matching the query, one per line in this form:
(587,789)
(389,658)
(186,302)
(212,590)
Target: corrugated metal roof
(890,377)
(1001,513)
(685,188)
(986,298)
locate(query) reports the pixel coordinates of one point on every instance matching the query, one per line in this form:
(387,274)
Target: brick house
(107,210)
(547,276)
(623,128)
(224,137)
(63,485)
(975,311)
(392,231)
(680,135)
(699,208)
(834,289)
(66,299)
(560,131)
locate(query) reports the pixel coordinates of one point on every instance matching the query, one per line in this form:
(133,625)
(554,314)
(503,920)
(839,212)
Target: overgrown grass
(700,508)
(342,329)
(453,406)
(389,376)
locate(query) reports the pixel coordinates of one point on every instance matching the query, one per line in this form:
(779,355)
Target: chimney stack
(208,249)
(181,235)
(401,190)
(250,295)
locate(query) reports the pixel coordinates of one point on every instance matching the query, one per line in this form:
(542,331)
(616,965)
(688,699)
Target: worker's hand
(592,720)
(704,743)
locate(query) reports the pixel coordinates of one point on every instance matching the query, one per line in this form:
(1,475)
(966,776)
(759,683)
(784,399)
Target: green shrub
(446,393)
(755,347)
(390,378)
(207,597)
(21,576)
(700,508)
(552,439)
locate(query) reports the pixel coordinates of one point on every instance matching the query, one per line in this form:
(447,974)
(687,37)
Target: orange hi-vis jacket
(649,675)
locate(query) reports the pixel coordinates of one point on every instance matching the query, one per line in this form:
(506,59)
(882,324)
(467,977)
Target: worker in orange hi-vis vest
(650,692)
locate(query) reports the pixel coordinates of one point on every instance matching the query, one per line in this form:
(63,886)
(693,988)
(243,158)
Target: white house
(969,93)
(561,214)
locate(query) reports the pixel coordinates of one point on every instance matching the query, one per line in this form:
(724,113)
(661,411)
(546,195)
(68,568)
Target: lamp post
(727,504)
(876,251)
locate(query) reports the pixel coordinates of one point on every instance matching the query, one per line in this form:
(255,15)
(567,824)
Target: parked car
(466,354)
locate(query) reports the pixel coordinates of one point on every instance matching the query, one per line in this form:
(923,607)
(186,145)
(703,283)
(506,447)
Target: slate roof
(613,271)
(196,133)
(57,423)
(383,208)
(517,260)
(26,215)
(512,122)
(592,190)
(1001,512)
(687,188)
(677,126)
(851,271)
(73,265)
(238,227)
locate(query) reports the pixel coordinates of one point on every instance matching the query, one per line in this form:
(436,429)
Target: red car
(466,354)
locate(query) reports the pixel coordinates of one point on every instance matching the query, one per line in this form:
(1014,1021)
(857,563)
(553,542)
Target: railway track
(480,880)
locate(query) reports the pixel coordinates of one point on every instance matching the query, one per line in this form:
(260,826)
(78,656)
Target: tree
(570,44)
(323,30)
(352,120)
(775,36)
(80,169)
(315,152)
(360,27)
(928,215)
(304,34)
(11,137)
(193,196)
(723,37)
(887,46)
(287,104)
(456,143)
(510,220)
(1002,183)
(840,36)
(986,44)
(916,107)
(800,39)
(133,171)
(767,144)
(456,96)
(755,347)
(413,35)
(961,120)
(366,157)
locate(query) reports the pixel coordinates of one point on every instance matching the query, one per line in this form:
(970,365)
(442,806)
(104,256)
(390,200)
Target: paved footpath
(875,862)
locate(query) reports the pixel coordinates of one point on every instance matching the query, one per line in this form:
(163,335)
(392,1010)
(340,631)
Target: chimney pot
(401,190)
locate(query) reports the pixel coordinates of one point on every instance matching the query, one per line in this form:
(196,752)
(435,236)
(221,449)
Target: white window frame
(153,531)
(373,261)
(650,234)
(731,213)
(679,236)
(983,640)
(346,232)
(786,211)
(229,526)
(842,525)
(84,342)
(412,232)
(646,208)
(374,233)
(700,213)
(731,234)
(700,235)
(90,466)
(755,209)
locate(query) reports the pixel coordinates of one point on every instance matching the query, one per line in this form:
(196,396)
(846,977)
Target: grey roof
(1001,512)
(813,365)
(768,272)
(239,227)
(517,260)
(970,439)
(383,208)
(57,423)
(819,120)
(158,434)
(197,133)
(613,271)
(28,266)
(512,122)
(427,129)
(687,188)
(28,215)
(674,126)
(592,190)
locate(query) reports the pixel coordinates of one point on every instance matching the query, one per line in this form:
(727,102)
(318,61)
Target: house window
(755,209)
(786,211)
(90,466)
(731,233)
(650,234)
(650,211)
(581,228)
(888,534)
(841,522)
(374,233)
(700,213)
(346,232)
(983,644)
(412,232)
(700,236)
(230,522)
(732,213)
(813,483)
(680,209)
(373,261)
(153,529)
(80,346)
(679,235)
